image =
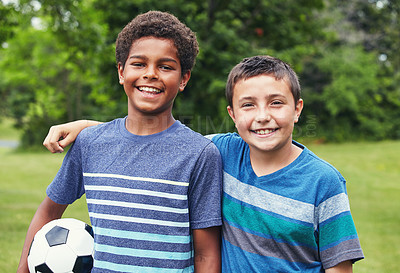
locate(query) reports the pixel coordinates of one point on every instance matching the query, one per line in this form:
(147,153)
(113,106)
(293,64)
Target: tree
(227,32)
(341,94)
(45,68)
(8,21)
(378,23)
(349,71)
(350,91)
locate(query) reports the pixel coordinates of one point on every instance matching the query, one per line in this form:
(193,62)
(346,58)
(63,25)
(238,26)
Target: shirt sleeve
(205,190)
(337,235)
(67,186)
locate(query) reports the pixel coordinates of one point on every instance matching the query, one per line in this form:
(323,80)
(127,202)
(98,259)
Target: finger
(53,147)
(46,141)
(47,138)
(51,140)
(67,140)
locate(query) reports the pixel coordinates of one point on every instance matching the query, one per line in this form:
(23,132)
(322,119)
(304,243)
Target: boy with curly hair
(153,186)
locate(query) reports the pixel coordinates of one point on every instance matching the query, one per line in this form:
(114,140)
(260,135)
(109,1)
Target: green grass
(24,178)
(372,171)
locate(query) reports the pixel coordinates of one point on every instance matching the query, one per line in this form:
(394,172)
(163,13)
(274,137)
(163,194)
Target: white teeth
(149,89)
(264,132)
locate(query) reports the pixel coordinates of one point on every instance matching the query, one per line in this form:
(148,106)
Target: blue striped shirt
(144,194)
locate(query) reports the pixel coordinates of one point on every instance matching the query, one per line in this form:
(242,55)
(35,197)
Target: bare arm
(60,136)
(207,250)
(343,267)
(46,212)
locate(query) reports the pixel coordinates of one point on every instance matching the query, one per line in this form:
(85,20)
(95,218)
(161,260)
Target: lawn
(371,169)
(24,178)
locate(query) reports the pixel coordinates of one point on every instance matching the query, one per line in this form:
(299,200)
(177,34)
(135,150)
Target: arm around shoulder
(207,250)
(47,211)
(60,136)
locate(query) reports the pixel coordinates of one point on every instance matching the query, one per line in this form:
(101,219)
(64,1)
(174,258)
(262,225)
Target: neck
(148,125)
(264,163)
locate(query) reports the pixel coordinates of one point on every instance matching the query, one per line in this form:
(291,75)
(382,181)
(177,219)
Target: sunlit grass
(24,178)
(372,171)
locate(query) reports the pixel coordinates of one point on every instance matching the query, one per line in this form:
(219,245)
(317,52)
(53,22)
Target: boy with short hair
(284,209)
(153,186)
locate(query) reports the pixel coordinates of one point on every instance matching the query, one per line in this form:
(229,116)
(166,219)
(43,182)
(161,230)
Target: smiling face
(152,78)
(264,112)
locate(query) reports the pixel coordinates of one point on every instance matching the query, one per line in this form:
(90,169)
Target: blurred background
(57,61)
(57,64)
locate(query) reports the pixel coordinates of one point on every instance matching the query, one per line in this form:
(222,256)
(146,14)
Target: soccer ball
(62,246)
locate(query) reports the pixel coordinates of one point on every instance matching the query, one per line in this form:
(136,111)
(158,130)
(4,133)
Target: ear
(299,108)
(231,113)
(121,73)
(184,81)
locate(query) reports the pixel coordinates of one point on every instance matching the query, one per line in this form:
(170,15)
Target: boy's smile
(152,78)
(264,113)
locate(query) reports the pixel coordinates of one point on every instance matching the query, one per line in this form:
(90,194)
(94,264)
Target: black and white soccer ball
(62,246)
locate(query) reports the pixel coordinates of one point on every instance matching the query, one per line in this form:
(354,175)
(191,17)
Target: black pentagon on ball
(89,229)
(57,236)
(43,268)
(83,264)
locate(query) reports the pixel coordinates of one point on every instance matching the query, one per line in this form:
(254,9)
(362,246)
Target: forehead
(154,47)
(261,86)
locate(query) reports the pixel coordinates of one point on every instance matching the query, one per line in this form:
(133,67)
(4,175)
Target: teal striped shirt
(294,220)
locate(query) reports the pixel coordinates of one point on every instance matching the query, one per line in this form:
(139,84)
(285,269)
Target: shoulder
(224,137)
(182,141)
(227,141)
(320,165)
(183,135)
(328,181)
(103,129)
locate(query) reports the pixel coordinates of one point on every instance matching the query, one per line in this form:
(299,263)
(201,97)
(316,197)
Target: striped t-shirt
(144,194)
(294,220)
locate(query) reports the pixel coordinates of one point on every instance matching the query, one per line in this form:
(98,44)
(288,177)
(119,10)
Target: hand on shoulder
(62,135)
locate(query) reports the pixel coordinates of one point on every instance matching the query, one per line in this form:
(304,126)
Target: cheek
(244,121)
(284,117)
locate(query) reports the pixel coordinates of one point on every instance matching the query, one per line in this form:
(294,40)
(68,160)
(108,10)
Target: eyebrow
(145,58)
(252,97)
(246,98)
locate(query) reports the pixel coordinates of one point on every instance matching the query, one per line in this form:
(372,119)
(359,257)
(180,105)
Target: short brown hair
(262,65)
(160,25)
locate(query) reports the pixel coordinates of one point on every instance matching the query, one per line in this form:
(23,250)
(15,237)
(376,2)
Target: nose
(263,115)
(150,73)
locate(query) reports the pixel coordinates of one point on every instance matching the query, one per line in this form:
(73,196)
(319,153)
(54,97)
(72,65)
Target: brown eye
(277,102)
(166,67)
(137,64)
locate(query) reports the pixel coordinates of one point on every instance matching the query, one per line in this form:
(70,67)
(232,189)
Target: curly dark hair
(262,65)
(160,25)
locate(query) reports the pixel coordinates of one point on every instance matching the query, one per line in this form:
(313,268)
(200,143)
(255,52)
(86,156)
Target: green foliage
(347,99)
(345,52)
(227,32)
(7,22)
(351,91)
(46,71)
